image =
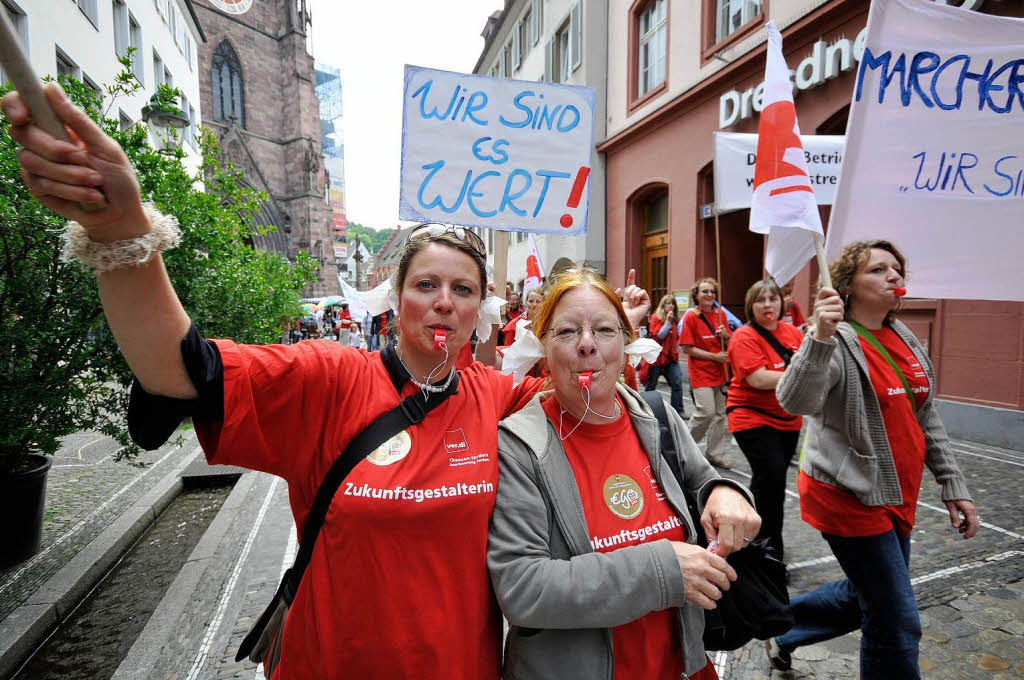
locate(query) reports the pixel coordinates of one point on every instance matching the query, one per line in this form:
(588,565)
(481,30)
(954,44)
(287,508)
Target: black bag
(263,643)
(757,603)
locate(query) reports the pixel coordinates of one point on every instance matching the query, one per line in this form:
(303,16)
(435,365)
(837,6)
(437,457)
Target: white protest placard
(496,153)
(935,151)
(736,156)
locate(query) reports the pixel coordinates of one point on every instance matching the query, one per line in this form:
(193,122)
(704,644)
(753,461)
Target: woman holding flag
(248,402)
(703,336)
(867,386)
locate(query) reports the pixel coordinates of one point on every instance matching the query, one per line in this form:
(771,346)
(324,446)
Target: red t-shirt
(344,319)
(748,352)
(794,316)
(669,344)
(398,579)
(623,505)
(837,511)
(703,372)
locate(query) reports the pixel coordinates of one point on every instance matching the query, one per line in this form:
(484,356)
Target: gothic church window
(228,90)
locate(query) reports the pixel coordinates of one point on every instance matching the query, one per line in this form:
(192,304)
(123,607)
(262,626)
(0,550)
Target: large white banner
(935,149)
(496,153)
(736,156)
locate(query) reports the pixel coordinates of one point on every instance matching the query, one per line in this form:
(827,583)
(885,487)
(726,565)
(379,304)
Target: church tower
(258,97)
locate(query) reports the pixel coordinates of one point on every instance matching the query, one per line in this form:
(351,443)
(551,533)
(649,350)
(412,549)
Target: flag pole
(824,277)
(26,82)
(718,259)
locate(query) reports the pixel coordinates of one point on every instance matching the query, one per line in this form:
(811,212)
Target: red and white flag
(534,268)
(783,204)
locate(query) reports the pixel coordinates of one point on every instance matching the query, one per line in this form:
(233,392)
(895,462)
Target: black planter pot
(22,497)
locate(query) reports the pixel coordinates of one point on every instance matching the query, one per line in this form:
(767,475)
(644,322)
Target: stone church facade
(258,97)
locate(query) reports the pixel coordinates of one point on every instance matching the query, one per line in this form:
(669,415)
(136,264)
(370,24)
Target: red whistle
(585,379)
(899,292)
(439,336)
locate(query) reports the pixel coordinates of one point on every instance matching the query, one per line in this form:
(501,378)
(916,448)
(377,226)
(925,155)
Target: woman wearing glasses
(405,541)
(592,550)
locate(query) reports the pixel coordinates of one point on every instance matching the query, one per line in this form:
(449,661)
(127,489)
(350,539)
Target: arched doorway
(649,227)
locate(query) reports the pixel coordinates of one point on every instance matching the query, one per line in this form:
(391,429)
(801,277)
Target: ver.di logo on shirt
(623,496)
(455,441)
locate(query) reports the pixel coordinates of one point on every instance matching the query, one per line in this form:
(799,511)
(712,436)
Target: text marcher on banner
(934,155)
(783,204)
(496,153)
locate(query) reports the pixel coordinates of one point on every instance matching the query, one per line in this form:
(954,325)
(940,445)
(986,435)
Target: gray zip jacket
(560,597)
(846,444)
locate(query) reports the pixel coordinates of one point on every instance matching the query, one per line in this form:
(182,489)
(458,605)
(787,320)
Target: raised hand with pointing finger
(64,174)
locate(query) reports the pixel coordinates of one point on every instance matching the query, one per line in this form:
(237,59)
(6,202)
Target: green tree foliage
(60,369)
(372,238)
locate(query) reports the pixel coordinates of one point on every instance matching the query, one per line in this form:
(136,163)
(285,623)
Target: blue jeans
(674,377)
(876,597)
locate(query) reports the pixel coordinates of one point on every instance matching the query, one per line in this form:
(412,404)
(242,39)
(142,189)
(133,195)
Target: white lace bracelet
(130,252)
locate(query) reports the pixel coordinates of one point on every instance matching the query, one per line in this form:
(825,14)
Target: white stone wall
(62,25)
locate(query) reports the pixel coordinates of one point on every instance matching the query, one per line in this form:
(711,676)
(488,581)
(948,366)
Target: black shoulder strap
(668,452)
(703,318)
(409,411)
(773,341)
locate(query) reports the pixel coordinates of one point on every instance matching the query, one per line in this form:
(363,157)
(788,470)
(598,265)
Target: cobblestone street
(970,593)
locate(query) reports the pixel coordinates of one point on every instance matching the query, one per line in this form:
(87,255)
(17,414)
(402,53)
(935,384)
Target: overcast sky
(371,42)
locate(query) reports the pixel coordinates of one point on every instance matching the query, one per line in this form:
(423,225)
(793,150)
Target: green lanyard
(870,337)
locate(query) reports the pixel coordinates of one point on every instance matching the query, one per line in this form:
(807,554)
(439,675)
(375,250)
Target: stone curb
(164,623)
(30,624)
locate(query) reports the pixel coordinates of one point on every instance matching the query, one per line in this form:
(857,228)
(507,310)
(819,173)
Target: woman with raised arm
(405,541)
(663,329)
(592,550)
(867,386)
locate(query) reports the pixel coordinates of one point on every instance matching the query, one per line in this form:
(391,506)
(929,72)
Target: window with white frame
(188,50)
(124,121)
(20,22)
(653,30)
(91,10)
(120,28)
(158,70)
(135,40)
(537,20)
(563,38)
(524,34)
(168,78)
(187,132)
(66,67)
(172,24)
(517,54)
(733,15)
(193,127)
(91,84)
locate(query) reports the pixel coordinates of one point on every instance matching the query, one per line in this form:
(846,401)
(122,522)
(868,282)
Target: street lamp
(163,112)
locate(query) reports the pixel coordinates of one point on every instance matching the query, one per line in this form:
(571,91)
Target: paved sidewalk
(87,494)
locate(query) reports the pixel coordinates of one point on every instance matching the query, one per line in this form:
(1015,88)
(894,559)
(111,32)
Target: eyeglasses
(571,333)
(434,229)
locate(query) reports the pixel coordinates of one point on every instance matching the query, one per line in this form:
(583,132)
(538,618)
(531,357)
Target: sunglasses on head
(430,230)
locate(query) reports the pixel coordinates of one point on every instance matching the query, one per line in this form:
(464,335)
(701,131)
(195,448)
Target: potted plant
(60,368)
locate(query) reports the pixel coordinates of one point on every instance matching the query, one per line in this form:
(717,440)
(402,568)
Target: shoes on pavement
(780,659)
(721,463)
